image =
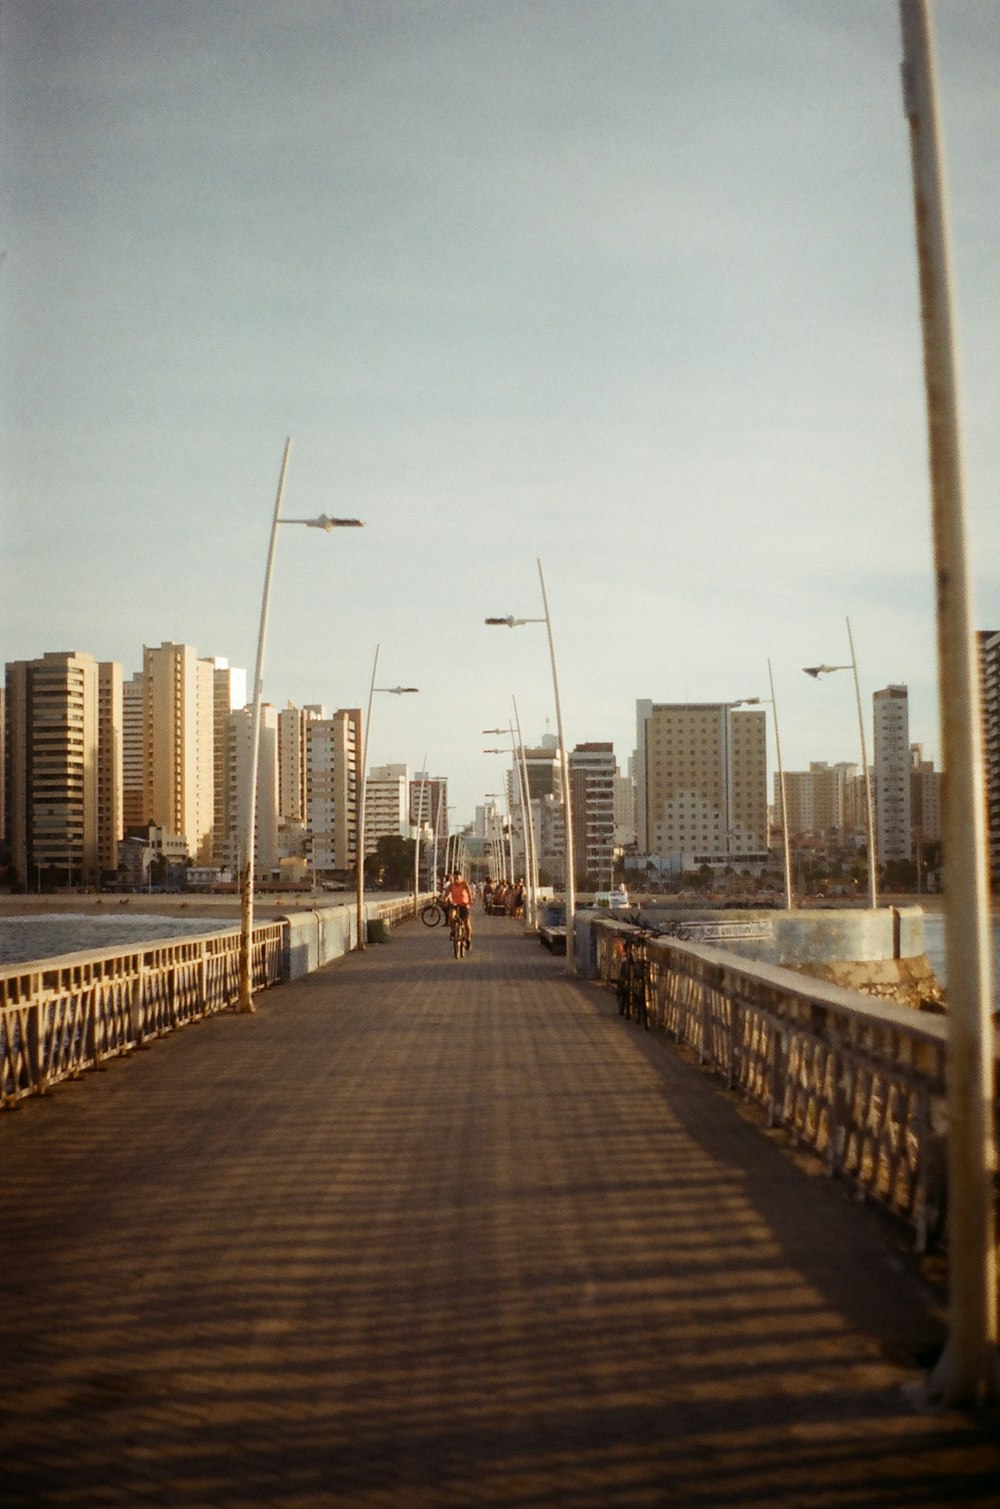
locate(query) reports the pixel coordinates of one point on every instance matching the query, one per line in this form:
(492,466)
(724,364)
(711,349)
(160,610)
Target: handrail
(62,1016)
(859,1081)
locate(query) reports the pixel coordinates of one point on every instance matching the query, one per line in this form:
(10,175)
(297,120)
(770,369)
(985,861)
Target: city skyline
(632,292)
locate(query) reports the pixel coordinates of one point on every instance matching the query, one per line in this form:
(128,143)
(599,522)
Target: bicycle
(633,987)
(432,914)
(460,934)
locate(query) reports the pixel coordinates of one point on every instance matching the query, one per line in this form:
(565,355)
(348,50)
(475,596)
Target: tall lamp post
(520,765)
(417,829)
(969,1370)
(786,847)
(245,1002)
(822,670)
(568,861)
(395,691)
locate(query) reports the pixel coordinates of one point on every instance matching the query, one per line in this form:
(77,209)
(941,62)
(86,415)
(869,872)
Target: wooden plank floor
(427,1232)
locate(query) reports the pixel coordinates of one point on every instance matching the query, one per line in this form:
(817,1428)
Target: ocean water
(25,939)
(934,948)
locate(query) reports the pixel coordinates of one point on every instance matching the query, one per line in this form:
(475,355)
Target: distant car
(614,900)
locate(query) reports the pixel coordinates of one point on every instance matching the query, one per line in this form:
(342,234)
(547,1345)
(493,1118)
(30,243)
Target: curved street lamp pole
(418,825)
(245,999)
(772,702)
(569,880)
(396,691)
(822,670)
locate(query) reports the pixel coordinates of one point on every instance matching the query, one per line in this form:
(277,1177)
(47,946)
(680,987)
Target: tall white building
(387,804)
(293,779)
(892,774)
(229,685)
(701,783)
(239,746)
(333,748)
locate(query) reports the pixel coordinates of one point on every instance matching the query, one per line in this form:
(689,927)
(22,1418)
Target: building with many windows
(229,694)
(592,773)
(701,784)
(179,745)
(387,804)
(333,747)
(239,745)
(892,774)
(989,663)
(62,786)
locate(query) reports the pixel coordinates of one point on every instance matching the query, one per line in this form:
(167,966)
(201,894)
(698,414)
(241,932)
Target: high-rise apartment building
(429,804)
(701,788)
(592,772)
(387,804)
(293,780)
(892,773)
(821,801)
(925,798)
(133,753)
(110,755)
(63,767)
(989,663)
(179,734)
(333,747)
(239,744)
(229,694)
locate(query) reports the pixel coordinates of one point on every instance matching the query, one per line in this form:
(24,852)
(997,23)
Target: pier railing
(859,1081)
(61,1017)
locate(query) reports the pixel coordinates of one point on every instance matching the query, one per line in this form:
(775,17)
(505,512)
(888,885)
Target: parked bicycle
(634,987)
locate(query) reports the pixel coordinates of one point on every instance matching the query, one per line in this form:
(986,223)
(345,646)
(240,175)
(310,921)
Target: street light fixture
(786,847)
(822,670)
(245,1002)
(393,691)
(531,879)
(511,622)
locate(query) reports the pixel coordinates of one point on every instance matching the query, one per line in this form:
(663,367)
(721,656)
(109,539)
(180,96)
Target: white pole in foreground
(967,1373)
(245,1002)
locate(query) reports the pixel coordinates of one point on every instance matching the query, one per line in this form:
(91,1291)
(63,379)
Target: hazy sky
(628,286)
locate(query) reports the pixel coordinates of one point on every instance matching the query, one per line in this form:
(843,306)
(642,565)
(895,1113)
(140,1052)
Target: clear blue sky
(627,286)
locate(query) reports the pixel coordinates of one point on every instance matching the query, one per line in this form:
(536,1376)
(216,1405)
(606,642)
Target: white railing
(60,1017)
(859,1081)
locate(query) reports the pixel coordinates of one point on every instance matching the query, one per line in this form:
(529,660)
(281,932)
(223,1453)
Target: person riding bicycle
(458,898)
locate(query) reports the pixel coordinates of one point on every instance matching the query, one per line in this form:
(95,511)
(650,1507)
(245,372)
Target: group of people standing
(504,896)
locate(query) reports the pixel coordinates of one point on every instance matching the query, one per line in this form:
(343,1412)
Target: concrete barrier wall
(820,936)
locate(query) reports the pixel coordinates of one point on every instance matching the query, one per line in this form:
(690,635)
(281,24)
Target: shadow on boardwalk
(434,1233)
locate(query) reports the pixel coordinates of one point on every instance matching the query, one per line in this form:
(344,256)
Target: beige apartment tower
(333,747)
(63,740)
(701,782)
(179,745)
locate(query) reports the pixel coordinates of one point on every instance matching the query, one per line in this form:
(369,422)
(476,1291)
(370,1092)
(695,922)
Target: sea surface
(25,939)
(937,956)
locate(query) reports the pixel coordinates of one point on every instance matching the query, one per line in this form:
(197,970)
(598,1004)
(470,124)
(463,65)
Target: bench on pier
(553,938)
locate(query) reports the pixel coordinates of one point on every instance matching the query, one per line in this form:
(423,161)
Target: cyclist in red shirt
(459,896)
